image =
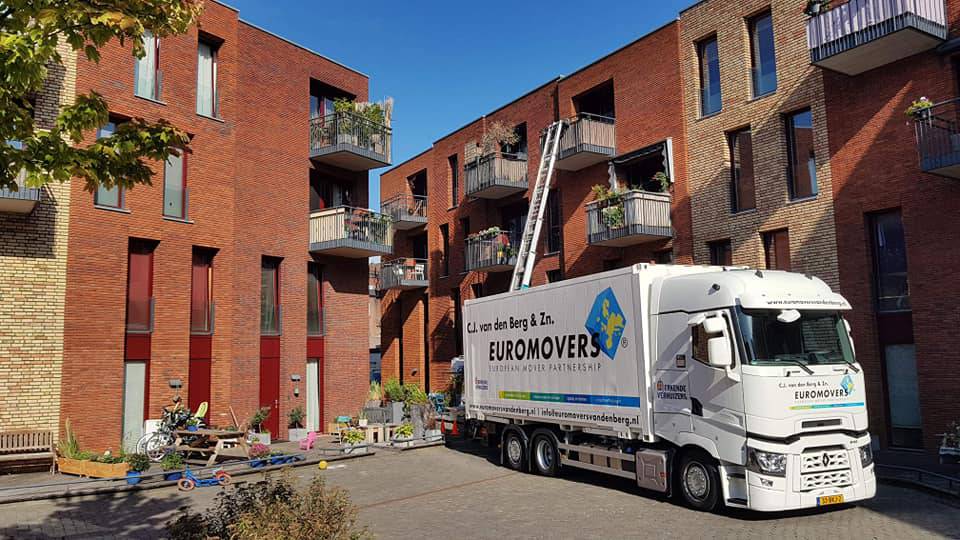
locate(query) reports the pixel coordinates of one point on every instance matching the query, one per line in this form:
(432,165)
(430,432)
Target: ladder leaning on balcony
(526,255)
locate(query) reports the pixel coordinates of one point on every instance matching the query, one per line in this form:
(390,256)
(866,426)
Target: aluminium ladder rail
(526,255)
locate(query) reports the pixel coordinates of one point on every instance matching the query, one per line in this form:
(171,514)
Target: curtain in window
(173,187)
(269,318)
(206,75)
(139,287)
(145,75)
(200,293)
(314,308)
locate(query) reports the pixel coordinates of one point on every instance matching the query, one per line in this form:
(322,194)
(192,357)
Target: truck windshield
(816,338)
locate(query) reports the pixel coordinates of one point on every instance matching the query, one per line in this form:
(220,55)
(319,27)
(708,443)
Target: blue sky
(446,63)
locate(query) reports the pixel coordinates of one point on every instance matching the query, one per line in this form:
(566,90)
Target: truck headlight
(866,455)
(770,463)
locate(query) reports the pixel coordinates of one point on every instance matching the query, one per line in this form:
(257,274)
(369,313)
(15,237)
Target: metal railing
(350,129)
(404,206)
(507,170)
(484,252)
(868,16)
(633,213)
(22,193)
(345,223)
(938,135)
(400,272)
(590,132)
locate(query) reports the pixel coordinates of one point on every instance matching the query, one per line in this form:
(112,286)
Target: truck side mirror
(719,350)
(714,325)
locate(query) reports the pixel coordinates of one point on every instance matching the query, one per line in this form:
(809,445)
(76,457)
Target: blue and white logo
(606,321)
(847,385)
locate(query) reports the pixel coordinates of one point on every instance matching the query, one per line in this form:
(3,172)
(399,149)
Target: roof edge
(299,46)
(404,162)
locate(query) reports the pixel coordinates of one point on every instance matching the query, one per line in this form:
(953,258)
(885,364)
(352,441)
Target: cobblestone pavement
(444,493)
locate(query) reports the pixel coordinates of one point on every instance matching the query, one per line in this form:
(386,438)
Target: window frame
(214,76)
(145,248)
(453,162)
(444,249)
(704,75)
(771,246)
(184,195)
(872,221)
(789,122)
(734,146)
(554,224)
(265,263)
(714,245)
(209,255)
(755,56)
(315,271)
(121,195)
(157,87)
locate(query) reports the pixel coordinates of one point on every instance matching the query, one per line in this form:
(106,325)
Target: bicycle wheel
(155,447)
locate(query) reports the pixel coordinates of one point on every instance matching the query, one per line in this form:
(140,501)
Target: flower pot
(256,463)
(403,443)
(133,478)
(172,475)
(362,422)
(297,434)
(355,449)
(192,428)
(263,438)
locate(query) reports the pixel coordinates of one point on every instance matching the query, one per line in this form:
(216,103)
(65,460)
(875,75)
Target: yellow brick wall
(799,85)
(33,256)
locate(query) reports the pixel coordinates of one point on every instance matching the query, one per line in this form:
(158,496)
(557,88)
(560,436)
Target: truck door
(671,399)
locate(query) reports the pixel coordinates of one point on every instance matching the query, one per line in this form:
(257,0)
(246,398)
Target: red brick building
(240,276)
(624,114)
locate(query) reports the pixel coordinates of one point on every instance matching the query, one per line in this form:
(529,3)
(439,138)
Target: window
(419,244)
(721,253)
(140,286)
(803,166)
(477,290)
(320,106)
(148,79)
(518,148)
(270,311)
(554,276)
(776,249)
(445,249)
(741,171)
(454,180)
(698,344)
(465,227)
(314,300)
(554,223)
(201,292)
(418,183)
(598,101)
(208,99)
(175,186)
(457,321)
(709,59)
(664,257)
(890,262)
(104,196)
(763,58)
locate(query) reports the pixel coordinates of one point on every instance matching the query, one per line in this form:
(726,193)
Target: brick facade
(33,257)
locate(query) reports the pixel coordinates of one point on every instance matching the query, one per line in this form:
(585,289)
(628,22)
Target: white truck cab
(722,385)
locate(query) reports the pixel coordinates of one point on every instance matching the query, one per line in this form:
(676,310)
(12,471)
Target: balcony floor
(493,268)
(406,223)
(575,159)
(349,248)
(861,51)
(409,285)
(629,236)
(497,191)
(349,157)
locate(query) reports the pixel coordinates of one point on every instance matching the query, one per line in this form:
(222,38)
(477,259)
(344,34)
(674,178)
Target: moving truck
(720,385)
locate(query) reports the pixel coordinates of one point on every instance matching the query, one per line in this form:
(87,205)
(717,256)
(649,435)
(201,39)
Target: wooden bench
(27,446)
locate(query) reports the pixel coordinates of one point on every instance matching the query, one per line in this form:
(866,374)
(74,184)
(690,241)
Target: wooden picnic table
(210,441)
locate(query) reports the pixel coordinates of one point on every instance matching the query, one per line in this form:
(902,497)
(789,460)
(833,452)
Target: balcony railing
(497,253)
(403,274)
(587,140)
(407,211)
(496,176)
(350,141)
(633,218)
(350,232)
(861,35)
(938,138)
(21,201)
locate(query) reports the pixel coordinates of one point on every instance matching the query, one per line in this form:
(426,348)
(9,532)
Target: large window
(721,254)
(445,249)
(762,55)
(104,196)
(201,292)
(207,91)
(554,223)
(140,286)
(709,60)
(803,165)
(890,262)
(314,300)
(454,180)
(175,186)
(599,100)
(776,249)
(146,73)
(270,296)
(815,338)
(743,196)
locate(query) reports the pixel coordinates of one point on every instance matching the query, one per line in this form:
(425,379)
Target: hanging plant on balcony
(497,134)
(603,194)
(660,183)
(613,216)
(920,108)
(491,232)
(816,7)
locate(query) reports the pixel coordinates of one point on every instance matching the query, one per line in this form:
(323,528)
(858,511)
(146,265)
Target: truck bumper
(770,499)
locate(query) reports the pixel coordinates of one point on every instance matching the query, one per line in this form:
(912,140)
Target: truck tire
(699,481)
(514,450)
(544,455)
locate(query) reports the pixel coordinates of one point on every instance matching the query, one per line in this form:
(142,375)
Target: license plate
(829,499)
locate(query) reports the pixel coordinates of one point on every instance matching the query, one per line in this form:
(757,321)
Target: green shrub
(413,395)
(69,447)
(259,417)
(393,390)
(296,417)
(172,462)
(354,436)
(405,431)
(138,462)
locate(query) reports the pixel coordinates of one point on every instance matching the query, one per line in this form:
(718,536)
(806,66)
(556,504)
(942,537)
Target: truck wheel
(546,458)
(699,481)
(514,451)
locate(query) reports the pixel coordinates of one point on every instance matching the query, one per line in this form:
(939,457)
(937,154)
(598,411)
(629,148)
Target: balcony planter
(262,438)
(91,469)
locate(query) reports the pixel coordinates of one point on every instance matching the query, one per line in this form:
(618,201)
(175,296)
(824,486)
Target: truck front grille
(824,460)
(825,479)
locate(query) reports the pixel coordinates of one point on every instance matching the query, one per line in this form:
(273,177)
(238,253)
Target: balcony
(403,274)
(633,217)
(491,253)
(587,140)
(938,138)
(496,176)
(865,34)
(406,211)
(349,141)
(355,233)
(21,201)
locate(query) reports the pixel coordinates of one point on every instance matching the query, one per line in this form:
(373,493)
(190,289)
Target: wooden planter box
(92,469)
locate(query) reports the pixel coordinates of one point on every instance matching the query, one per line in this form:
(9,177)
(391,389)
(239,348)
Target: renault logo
(825,459)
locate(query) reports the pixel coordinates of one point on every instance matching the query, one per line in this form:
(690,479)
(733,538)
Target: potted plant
(403,435)
(920,108)
(950,445)
(193,423)
(394,394)
(296,432)
(172,465)
(431,426)
(496,136)
(258,455)
(816,7)
(138,464)
(353,441)
(362,418)
(375,395)
(260,434)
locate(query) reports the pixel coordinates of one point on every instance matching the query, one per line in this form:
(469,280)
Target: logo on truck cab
(606,321)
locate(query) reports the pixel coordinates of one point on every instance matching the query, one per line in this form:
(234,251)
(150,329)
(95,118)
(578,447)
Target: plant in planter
(138,464)
(660,183)
(296,431)
(260,416)
(403,434)
(353,440)
(172,465)
(497,135)
(816,7)
(920,108)
(258,453)
(950,444)
(375,395)
(393,392)
(193,423)
(362,418)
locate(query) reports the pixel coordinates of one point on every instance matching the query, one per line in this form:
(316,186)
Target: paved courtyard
(448,493)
